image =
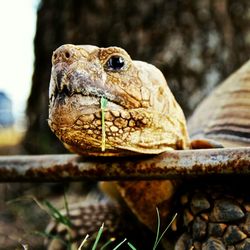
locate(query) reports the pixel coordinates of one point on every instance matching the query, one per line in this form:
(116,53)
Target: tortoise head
(140,114)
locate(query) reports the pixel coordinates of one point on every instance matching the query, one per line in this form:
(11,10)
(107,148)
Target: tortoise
(141,116)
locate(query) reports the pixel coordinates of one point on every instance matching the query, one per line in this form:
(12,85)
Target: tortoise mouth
(69,82)
(86,104)
(90,100)
(80,121)
(70,110)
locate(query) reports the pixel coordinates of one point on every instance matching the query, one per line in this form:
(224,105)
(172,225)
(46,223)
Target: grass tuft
(56,214)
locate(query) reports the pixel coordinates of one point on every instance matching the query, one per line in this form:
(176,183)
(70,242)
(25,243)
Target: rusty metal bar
(172,164)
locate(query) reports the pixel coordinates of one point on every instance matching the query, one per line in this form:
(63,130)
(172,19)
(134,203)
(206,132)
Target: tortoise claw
(205,144)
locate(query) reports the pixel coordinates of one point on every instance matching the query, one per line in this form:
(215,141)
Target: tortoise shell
(215,214)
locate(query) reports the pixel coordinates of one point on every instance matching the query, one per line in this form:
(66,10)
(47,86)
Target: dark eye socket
(115,63)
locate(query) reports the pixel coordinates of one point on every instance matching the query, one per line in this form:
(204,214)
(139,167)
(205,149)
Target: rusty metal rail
(173,164)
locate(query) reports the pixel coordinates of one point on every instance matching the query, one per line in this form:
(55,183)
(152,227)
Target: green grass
(98,237)
(65,220)
(158,238)
(107,243)
(60,218)
(104,246)
(131,246)
(104,102)
(56,214)
(117,246)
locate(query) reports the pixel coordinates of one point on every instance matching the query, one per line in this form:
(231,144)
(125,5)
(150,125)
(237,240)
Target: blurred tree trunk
(195,43)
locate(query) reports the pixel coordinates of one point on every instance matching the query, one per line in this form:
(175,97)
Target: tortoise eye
(115,63)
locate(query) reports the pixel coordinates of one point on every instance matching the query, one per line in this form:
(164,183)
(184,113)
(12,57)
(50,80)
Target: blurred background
(17,27)
(196,44)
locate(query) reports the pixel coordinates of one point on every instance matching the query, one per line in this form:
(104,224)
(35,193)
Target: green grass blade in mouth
(104,102)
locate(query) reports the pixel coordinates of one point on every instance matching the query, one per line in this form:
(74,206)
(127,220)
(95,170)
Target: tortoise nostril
(67,54)
(63,54)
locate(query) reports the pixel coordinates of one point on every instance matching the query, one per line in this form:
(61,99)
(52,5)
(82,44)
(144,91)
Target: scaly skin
(142,116)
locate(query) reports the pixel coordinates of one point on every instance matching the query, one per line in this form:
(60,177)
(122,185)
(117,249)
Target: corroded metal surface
(172,164)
